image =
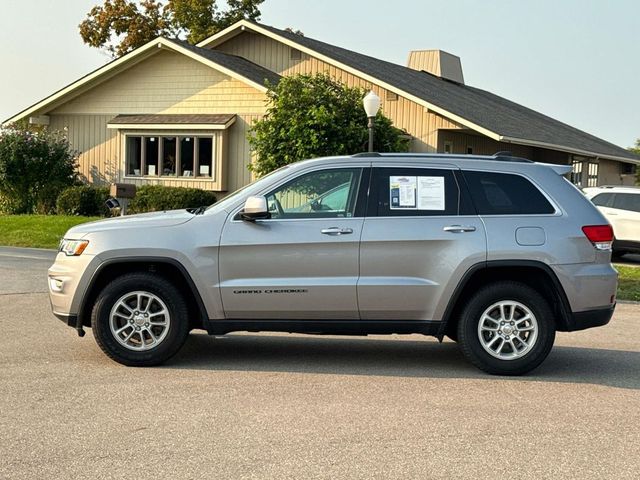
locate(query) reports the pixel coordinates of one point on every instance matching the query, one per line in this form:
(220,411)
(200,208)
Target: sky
(575,60)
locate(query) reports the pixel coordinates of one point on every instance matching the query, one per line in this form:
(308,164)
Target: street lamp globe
(371,103)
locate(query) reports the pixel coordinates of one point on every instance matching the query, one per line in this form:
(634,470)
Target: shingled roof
(508,120)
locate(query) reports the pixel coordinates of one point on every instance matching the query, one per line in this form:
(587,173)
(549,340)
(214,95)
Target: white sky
(574,60)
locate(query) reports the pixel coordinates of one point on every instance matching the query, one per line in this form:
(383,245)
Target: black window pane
(602,199)
(169,155)
(151,155)
(205,157)
(627,201)
(134,155)
(506,194)
(186,156)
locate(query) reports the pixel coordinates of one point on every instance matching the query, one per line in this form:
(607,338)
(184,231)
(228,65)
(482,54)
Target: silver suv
(497,253)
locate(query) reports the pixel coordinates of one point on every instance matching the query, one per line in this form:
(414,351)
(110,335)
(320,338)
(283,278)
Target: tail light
(600,235)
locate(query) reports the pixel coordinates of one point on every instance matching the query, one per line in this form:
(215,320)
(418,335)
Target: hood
(143,220)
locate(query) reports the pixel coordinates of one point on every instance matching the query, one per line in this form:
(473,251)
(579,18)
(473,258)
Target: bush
(83,200)
(34,168)
(152,198)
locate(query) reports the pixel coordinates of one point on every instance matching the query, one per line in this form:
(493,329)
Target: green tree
(34,168)
(636,150)
(313,116)
(119,26)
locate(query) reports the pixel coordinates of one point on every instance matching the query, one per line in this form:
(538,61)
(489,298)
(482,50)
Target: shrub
(152,198)
(34,168)
(83,200)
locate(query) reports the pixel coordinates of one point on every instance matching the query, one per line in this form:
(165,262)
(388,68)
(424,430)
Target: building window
(592,177)
(170,156)
(391,96)
(448,147)
(627,168)
(295,54)
(469,150)
(576,172)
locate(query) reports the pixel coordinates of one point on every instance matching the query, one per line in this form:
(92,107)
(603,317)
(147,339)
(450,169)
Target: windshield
(229,199)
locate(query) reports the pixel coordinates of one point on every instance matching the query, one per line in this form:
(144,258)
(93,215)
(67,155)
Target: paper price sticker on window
(430,193)
(416,193)
(402,192)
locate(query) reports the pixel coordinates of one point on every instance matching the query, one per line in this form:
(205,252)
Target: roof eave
(563,148)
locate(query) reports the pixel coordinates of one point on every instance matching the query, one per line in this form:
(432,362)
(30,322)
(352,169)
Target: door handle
(336,231)
(459,228)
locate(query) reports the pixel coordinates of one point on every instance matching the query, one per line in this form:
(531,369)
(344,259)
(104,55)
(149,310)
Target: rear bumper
(590,318)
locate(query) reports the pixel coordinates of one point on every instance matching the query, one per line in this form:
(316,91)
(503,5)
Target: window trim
(216,152)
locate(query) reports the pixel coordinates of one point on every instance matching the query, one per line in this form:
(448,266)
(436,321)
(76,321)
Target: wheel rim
(508,330)
(139,321)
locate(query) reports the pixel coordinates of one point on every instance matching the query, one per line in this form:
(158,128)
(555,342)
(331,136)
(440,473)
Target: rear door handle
(336,231)
(459,228)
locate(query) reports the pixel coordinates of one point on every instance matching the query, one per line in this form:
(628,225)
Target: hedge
(83,200)
(151,198)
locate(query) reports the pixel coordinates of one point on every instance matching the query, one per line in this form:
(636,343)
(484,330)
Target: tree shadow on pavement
(399,358)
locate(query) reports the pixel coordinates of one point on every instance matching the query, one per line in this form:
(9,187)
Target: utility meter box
(123,190)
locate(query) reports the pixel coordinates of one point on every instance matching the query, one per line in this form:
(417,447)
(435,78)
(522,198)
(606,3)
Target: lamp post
(371,103)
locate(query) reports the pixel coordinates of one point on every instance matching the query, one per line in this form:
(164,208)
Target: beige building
(176,114)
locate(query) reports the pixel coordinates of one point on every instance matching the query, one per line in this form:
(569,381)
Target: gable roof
(480,110)
(231,65)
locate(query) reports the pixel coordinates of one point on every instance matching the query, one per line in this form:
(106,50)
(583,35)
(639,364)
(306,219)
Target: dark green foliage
(152,198)
(636,150)
(34,168)
(314,116)
(83,200)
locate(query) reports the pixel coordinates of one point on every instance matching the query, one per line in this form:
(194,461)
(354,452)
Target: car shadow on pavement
(399,358)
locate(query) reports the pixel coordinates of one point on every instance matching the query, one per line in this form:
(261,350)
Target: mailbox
(123,190)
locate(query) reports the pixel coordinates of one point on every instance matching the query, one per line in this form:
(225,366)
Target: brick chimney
(437,62)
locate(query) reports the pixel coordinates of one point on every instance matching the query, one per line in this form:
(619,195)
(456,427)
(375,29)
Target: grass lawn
(629,283)
(36,231)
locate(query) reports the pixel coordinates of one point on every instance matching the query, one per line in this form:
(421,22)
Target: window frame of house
(178,171)
(449,144)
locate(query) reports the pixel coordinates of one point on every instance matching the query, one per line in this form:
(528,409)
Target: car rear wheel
(140,319)
(506,328)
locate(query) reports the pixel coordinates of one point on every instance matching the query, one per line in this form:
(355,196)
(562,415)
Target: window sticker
(402,191)
(430,193)
(416,193)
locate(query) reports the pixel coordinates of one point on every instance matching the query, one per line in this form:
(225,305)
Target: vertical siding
(404,113)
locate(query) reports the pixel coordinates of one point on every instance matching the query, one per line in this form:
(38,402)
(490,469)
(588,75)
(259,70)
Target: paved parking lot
(293,406)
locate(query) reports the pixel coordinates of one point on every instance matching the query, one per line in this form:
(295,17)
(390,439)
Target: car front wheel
(140,319)
(507,328)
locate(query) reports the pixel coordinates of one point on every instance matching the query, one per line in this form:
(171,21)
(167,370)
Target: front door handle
(336,231)
(459,228)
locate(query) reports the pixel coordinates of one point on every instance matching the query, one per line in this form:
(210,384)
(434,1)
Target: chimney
(438,63)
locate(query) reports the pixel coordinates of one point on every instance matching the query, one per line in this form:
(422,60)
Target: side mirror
(255,208)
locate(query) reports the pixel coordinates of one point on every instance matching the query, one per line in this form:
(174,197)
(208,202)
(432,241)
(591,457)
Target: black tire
(178,328)
(483,299)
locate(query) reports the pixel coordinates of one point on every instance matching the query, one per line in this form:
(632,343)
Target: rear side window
(506,194)
(400,192)
(627,201)
(602,199)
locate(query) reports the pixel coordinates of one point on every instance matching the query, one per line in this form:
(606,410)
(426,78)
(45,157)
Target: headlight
(73,247)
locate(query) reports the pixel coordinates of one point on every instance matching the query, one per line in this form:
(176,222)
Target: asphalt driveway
(294,406)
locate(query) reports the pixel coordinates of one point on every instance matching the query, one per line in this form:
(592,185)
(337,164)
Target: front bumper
(591,318)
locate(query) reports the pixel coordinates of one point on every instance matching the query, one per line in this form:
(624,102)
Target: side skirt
(326,327)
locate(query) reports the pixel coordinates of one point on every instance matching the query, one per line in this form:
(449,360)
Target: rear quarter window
(506,194)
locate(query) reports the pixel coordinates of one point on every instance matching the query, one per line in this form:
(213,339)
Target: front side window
(170,156)
(321,194)
(506,194)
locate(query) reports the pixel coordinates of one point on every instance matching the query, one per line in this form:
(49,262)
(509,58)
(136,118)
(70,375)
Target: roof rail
(506,156)
(366,154)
